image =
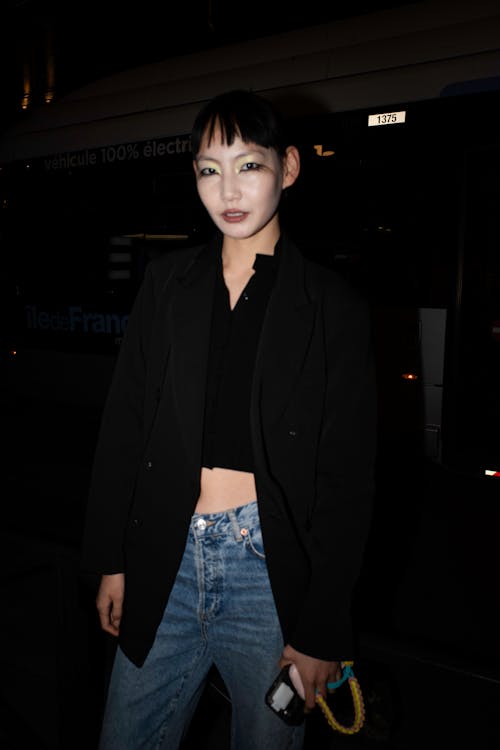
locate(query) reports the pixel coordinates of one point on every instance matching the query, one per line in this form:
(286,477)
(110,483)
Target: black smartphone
(283,698)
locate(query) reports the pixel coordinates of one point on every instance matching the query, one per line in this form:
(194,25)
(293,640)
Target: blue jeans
(221,611)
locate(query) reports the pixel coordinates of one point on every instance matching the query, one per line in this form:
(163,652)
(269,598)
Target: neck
(241,253)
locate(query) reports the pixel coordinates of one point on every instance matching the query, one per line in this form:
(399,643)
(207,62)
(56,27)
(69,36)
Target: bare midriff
(223,489)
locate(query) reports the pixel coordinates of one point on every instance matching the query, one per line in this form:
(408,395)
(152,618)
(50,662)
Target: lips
(233,217)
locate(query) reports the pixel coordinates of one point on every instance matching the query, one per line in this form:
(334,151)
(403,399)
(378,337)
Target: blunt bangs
(240,113)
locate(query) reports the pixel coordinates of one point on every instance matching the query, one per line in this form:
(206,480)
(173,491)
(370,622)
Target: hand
(109,602)
(314,673)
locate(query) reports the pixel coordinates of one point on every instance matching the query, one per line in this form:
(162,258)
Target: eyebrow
(242,155)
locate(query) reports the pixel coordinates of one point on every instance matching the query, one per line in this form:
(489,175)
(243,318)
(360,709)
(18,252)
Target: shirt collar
(264,262)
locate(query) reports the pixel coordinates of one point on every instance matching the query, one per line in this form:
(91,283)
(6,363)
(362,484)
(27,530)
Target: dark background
(90,40)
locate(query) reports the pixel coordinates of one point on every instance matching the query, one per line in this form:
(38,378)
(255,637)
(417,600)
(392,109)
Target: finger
(110,629)
(104,614)
(107,625)
(115,623)
(116,611)
(110,616)
(288,653)
(310,698)
(321,690)
(332,678)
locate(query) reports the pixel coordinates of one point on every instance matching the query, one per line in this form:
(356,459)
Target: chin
(238,232)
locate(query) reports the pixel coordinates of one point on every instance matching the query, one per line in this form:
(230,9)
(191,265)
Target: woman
(232,482)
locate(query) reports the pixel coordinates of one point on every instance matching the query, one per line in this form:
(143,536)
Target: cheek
(273,195)
(203,192)
(265,190)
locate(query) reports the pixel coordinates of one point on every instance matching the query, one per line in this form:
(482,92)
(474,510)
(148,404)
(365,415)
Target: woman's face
(240,185)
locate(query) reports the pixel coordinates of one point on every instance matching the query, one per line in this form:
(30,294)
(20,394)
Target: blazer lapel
(285,338)
(190,320)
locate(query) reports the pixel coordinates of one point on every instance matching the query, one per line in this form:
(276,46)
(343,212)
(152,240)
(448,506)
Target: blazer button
(149,465)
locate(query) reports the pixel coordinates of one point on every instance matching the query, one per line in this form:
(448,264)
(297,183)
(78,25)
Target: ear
(291,166)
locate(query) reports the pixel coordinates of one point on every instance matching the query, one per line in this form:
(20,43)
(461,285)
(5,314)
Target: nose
(230,189)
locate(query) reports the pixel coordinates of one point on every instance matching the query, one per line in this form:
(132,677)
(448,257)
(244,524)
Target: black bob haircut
(244,114)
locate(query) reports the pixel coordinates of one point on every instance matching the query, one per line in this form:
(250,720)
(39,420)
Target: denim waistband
(234,520)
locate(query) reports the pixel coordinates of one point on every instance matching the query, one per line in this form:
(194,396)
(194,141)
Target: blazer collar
(204,258)
(290,266)
(290,281)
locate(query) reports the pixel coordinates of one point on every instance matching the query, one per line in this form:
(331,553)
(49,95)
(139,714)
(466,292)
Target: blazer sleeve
(120,441)
(344,480)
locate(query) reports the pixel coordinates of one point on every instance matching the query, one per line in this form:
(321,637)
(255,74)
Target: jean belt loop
(235,526)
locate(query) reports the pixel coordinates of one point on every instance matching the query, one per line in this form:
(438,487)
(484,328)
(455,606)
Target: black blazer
(313,434)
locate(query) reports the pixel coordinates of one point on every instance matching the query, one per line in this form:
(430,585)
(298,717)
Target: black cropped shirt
(233,347)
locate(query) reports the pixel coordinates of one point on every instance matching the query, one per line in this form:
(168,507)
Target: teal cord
(346,674)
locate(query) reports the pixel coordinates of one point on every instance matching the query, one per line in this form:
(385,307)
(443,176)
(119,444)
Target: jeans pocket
(254,543)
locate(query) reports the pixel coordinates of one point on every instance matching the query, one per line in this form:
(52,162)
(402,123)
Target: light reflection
(26,99)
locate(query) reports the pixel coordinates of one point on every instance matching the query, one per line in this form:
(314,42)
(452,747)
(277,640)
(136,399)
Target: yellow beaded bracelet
(357,698)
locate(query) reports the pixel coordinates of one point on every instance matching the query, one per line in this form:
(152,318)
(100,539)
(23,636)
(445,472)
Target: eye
(250,166)
(207,171)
